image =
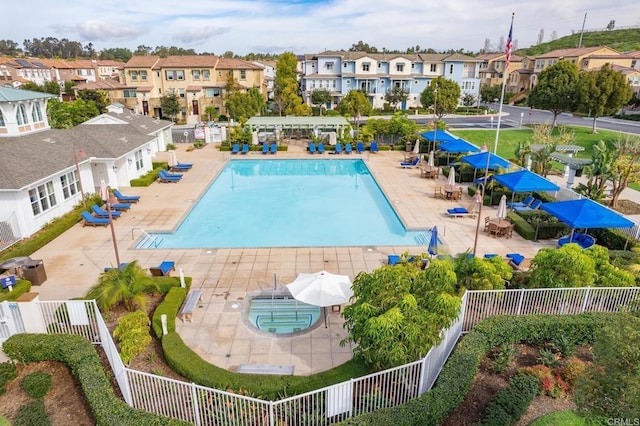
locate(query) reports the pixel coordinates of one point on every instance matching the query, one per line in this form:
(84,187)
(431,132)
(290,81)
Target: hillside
(621,40)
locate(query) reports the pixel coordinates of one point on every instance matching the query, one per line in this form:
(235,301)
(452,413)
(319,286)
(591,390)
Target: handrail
(153,238)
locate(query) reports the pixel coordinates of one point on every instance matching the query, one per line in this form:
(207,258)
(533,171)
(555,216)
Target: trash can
(408,146)
(34,272)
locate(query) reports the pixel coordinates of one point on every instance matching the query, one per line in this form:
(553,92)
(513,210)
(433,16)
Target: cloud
(101,30)
(198,35)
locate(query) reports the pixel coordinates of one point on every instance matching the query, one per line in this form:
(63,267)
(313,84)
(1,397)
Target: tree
(602,92)
(556,89)
(598,172)
(355,104)
(116,54)
(361,46)
(540,38)
(210,112)
(442,96)
(321,97)
(625,169)
(395,96)
(567,266)
(396,129)
(468,100)
(490,93)
(286,93)
(487,46)
(522,152)
(98,97)
(65,115)
(399,312)
(474,273)
(170,105)
(611,25)
(126,286)
(9,48)
(242,106)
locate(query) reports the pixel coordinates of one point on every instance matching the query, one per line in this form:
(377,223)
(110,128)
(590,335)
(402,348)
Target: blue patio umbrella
(586,213)
(433,242)
(438,136)
(525,181)
(479,161)
(458,145)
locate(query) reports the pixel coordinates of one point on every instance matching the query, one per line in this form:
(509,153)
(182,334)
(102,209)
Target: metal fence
(205,406)
(9,231)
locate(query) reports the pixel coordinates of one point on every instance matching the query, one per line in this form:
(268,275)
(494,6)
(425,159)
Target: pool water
(281,315)
(290,203)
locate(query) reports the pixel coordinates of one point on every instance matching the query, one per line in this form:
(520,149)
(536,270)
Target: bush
(21,287)
(512,402)
(132,333)
(31,414)
(149,178)
(8,372)
(613,239)
(521,226)
(36,384)
(169,307)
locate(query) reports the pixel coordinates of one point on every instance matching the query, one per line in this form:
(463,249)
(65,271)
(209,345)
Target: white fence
(205,406)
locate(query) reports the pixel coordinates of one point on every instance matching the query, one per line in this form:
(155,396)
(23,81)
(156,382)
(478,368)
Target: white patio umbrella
(321,289)
(173,159)
(452,176)
(431,162)
(332,138)
(502,208)
(254,137)
(104,192)
(416,147)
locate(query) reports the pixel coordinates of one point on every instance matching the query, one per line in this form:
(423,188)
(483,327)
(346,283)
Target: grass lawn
(565,418)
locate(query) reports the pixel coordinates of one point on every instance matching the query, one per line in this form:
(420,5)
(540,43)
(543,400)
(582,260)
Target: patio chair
(374,147)
(524,203)
(518,261)
(534,206)
(338,149)
(181,167)
(169,177)
(164,269)
(457,195)
(320,148)
(265,148)
(347,148)
(93,221)
(360,147)
(100,212)
(410,164)
(463,212)
(438,192)
(245,148)
(126,198)
(312,148)
(274,148)
(121,207)
(235,148)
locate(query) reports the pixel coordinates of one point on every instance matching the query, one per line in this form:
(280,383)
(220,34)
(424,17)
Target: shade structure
(438,136)
(431,161)
(452,176)
(458,145)
(173,159)
(433,242)
(321,288)
(525,181)
(502,208)
(586,213)
(484,160)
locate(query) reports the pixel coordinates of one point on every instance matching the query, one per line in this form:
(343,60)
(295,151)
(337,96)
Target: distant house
(44,171)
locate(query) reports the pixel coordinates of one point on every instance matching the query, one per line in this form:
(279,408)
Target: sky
(307,26)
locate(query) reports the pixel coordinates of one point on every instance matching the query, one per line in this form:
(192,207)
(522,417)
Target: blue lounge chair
(167,177)
(347,148)
(93,221)
(100,212)
(320,148)
(265,148)
(109,268)
(524,203)
(126,198)
(274,148)
(534,206)
(462,211)
(235,148)
(181,167)
(360,147)
(411,164)
(164,269)
(121,207)
(312,148)
(583,240)
(338,148)
(374,147)
(245,148)
(518,261)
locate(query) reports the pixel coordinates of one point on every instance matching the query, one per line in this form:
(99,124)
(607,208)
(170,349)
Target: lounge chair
(164,269)
(360,147)
(109,268)
(411,164)
(320,148)
(121,207)
(347,148)
(524,203)
(462,211)
(265,148)
(93,221)
(126,198)
(245,148)
(100,212)
(583,240)
(312,148)
(169,177)
(181,167)
(374,147)
(534,206)
(274,148)
(338,149)
(235,148)
(518,261)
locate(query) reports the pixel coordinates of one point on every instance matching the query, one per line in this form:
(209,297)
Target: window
(70,184)
(196,74)
(205,75)
(42,198)
(143,75)
(413,65)
(2,120)
(170,75)
(243,75)
(400,67)
(181,93)
(219,73)
(21,115)
(180,75)
(213,92)
(451,69)
(134,75)
(334,84)
(329,66)
(175,75)
(36,113)
(433,68)
(365,67)
(344,65)
(230,73)
(138,158)
(348,82)
(633,63)
(129,93)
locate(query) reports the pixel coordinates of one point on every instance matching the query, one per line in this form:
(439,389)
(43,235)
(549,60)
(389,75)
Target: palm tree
(127,286)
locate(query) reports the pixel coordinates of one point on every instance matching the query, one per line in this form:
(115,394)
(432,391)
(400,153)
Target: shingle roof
(186,61)
(109,84)
(236,64)
(141,61)
(571,52)
(9,94)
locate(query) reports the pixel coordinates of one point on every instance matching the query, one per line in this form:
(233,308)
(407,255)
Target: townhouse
(199,81)
(378,73)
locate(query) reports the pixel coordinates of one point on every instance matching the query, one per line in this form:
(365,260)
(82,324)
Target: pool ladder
(421,239)
(148,240)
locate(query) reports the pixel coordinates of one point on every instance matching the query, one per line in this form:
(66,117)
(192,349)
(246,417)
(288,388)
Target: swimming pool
(281,315)
(290,203)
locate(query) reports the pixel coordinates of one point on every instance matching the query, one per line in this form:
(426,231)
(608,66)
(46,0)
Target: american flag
(509,46)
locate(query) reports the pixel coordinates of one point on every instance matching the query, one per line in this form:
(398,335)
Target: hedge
(81,357)
(148,178)
(521,226)
(458,373)
(510,403)
(169,307)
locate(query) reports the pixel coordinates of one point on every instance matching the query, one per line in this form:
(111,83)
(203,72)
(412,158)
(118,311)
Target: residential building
(377,73)
(24,70)
(199,81)
(269,68)
(492,69)
(45,171)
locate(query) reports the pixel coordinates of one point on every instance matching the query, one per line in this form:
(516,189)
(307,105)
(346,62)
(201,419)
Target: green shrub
(132,334)
(36,384)
(521,226)
(501,359)
(21,287)
(4,421)
(169,307)
(564,418)
(512,402)
(31,414)
(149,178)
(613,239)
(8,372)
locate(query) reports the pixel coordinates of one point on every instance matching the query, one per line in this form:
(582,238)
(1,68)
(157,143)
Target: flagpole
(504,84)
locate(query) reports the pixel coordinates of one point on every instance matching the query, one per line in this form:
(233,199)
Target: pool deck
(227,277)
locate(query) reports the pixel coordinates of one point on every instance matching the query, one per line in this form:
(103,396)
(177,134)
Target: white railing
(205,406)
